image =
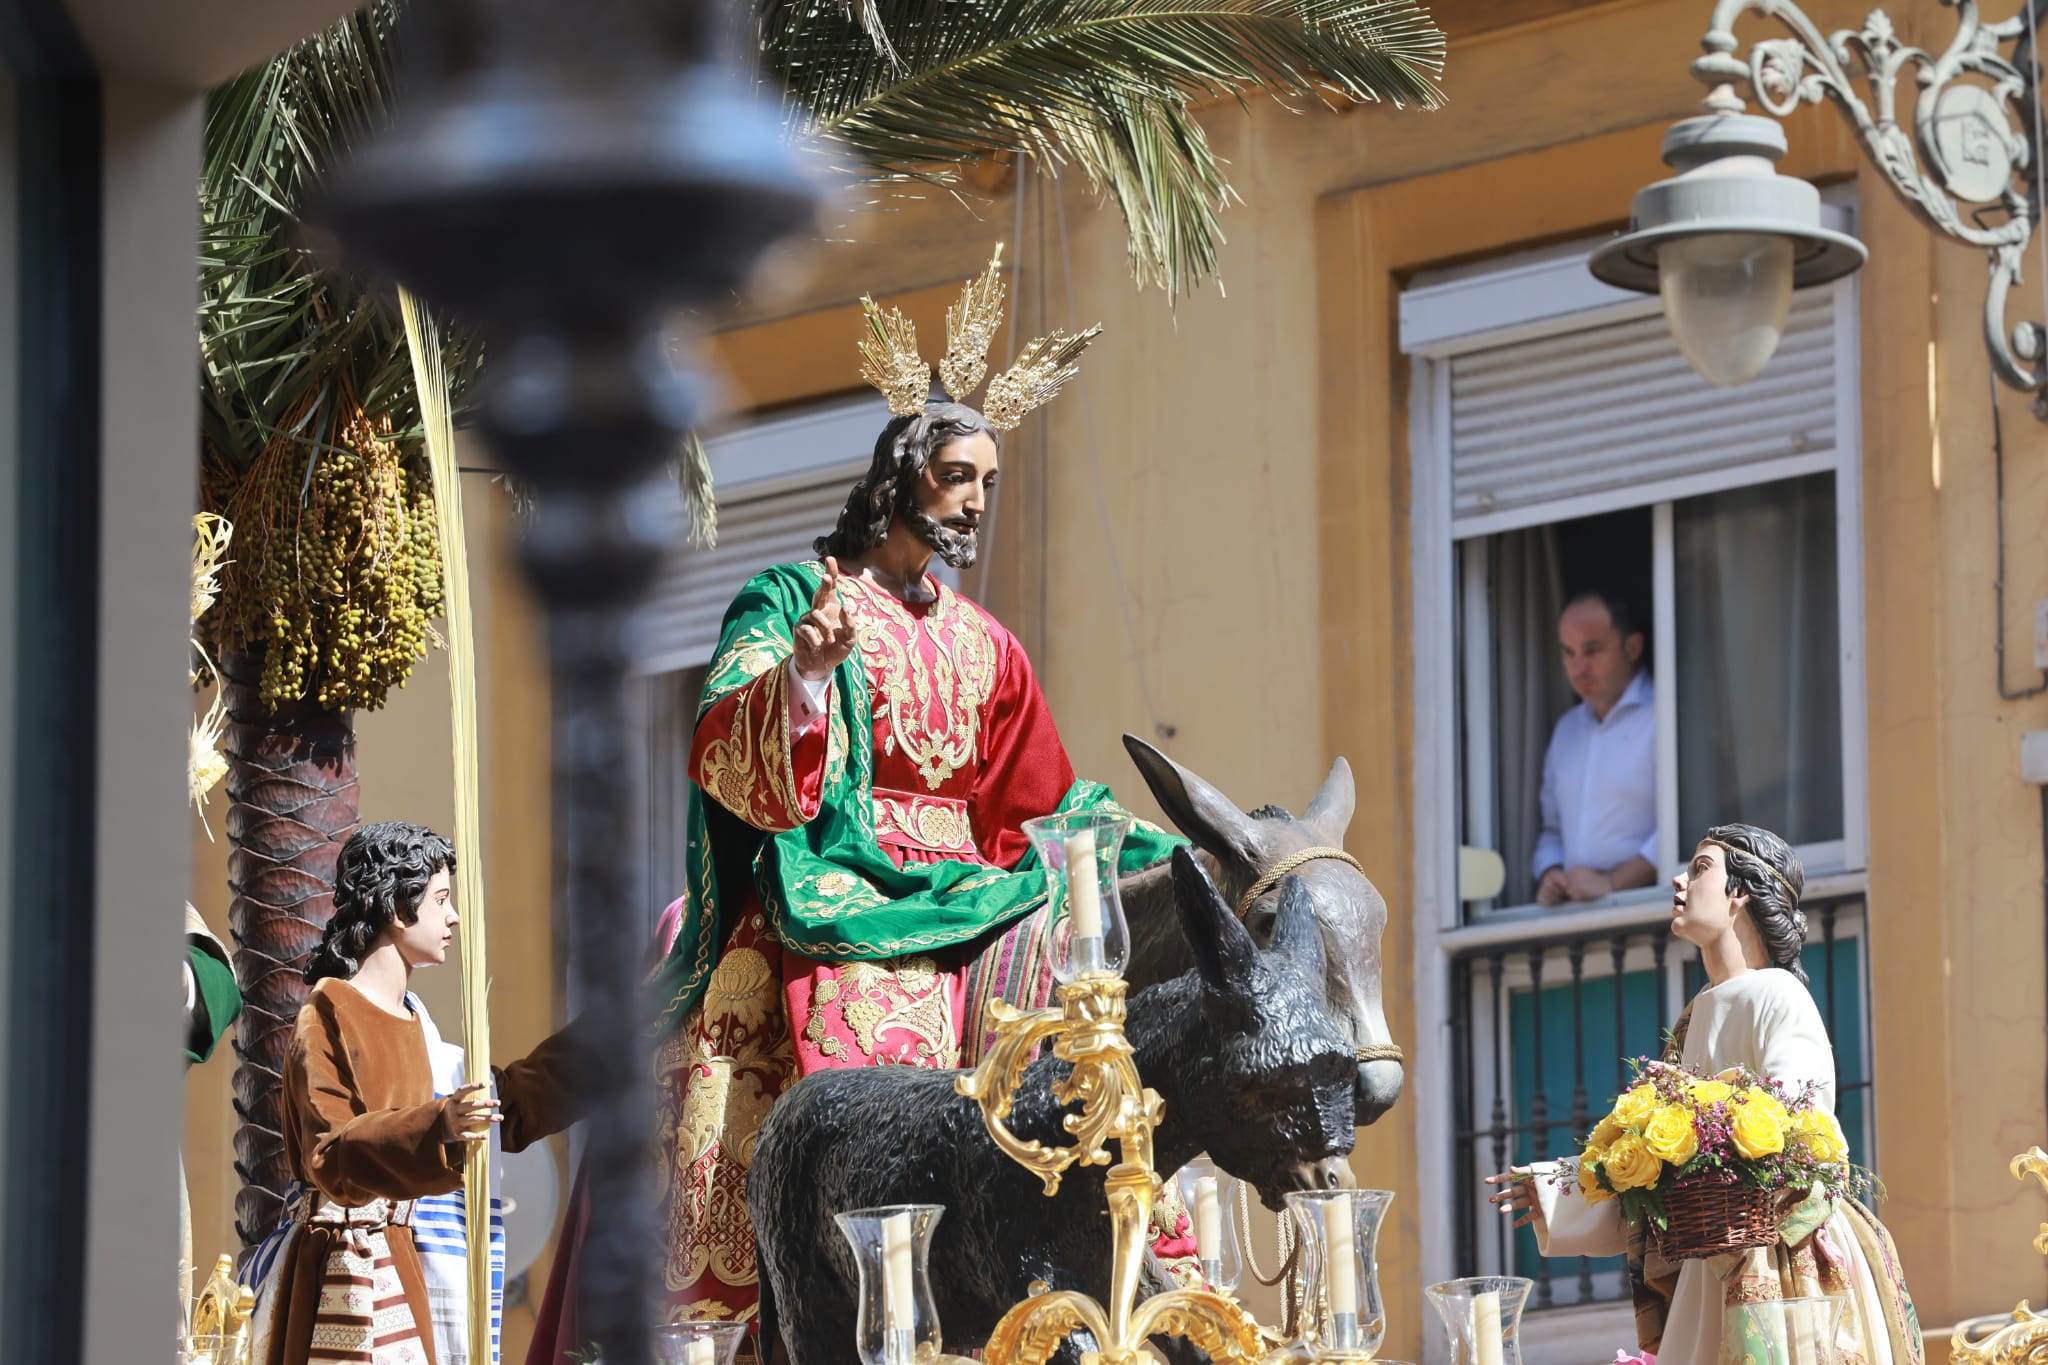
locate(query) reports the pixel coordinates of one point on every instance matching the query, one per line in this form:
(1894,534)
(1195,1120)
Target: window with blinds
(780,481)
(1611,416)
(681,620)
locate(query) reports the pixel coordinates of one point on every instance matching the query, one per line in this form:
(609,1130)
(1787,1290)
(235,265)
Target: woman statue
(1738,903)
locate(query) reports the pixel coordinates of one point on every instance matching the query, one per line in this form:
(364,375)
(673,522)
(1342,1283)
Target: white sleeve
(807,699)
(1649,851)
(1550,842)
(1566,1225)
(1792,1039)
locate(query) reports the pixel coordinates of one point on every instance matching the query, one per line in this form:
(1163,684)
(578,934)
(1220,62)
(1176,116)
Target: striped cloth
(1016,969)
(363,1317)
(440,1229)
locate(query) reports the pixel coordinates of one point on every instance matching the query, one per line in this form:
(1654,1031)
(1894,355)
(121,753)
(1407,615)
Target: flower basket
(1705,1163)
(1715,1213)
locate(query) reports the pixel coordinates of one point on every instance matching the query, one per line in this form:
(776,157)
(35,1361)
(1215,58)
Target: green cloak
(827,887)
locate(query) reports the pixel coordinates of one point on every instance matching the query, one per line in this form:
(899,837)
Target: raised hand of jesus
(824,634)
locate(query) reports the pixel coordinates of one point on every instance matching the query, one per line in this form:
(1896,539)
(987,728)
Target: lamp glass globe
(1726,296)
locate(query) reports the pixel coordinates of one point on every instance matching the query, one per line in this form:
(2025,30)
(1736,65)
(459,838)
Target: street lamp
(1727,239)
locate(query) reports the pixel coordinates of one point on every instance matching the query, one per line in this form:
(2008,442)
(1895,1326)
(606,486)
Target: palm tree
(914,87)
(310,429)
(307,448)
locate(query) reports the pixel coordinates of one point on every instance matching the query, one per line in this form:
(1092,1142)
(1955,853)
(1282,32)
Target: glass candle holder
(699,1343)
(898,1323)
(1079,852)
(1339,1232)
(206,1348)
(1207,1192)
(1483,1315)
(1783,1332)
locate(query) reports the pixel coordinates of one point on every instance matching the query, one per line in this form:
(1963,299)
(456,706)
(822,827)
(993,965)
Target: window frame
(1533,294)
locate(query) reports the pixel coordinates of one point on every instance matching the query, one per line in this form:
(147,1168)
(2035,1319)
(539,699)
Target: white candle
(1084,894)
(701,1352)
(898,1314)
(1486,1329)
(1340,1239)
(1208,1220)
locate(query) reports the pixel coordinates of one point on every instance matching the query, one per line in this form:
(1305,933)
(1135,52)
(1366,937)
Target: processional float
(1343,1317)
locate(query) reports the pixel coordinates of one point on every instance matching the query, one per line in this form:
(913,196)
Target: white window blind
(1610,415)
(680,621)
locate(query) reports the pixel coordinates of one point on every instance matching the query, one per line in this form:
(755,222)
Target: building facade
(1332,510)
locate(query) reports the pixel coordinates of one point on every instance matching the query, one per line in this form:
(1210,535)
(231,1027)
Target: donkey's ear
(1224,952)
(1295,934)
(1199,811)
(1329,814)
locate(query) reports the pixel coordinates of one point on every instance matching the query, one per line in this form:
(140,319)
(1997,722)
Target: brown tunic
(360,1123)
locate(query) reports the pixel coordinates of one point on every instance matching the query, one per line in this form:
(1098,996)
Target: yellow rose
(1821,1135)
(1606,1133)
(1589,1178)
(1633,1109)
(1705,1093)
(1631,1165)
(1759,1127)
(1669,1134)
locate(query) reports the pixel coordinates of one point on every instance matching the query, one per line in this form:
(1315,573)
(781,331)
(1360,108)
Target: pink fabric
(902,1012)
(1180,1242)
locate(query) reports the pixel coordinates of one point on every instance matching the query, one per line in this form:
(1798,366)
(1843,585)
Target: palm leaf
(1108,85)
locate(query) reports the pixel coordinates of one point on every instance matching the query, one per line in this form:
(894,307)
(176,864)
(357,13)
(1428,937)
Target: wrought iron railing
(1543,1027)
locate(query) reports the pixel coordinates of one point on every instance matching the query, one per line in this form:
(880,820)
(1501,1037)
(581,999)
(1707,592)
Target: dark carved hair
(1623,619)
(902,451)
(380,879)
(1766,869)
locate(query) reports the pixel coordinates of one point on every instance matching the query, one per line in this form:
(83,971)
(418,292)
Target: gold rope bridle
(1270,878)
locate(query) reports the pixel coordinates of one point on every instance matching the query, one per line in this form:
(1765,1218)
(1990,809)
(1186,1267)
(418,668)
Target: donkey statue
(1251,1064)
(1242,852)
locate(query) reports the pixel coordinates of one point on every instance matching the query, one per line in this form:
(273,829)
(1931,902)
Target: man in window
(1599,799)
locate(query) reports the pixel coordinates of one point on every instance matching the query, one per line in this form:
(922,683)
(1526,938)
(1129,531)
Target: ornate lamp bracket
(1963,170)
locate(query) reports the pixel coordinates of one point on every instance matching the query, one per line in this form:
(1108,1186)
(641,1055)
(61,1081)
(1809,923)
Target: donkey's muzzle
(1379,1085)
(1331,1173)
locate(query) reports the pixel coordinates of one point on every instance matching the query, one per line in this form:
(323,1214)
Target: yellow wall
(1245,454)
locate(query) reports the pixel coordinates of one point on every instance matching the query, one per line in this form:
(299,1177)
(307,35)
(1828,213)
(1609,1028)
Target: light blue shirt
(1599,800)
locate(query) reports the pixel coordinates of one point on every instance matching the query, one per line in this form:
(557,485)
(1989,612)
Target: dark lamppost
(564,178)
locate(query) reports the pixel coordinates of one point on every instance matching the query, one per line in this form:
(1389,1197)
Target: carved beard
(957,548)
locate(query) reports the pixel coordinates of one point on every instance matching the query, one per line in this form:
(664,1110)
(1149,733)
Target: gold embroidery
(870,999)
(749,770)
(933,704)
(814,1030)
(934,823)
(756,650)
(827,896)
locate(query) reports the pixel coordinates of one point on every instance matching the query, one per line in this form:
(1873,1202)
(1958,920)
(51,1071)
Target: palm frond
(282,331)
(1108,85)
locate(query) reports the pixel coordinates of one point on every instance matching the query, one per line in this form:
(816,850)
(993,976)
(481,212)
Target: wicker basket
(1716,1214)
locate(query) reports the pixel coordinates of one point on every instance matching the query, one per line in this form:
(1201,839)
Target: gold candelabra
(1086,1030)
(2025,1337)
(220,1320)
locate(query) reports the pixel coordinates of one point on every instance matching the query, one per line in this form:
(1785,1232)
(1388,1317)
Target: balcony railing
(1543,1024)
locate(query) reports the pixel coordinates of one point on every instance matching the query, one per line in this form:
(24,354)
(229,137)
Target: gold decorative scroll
(423,340)
(2024,1340)
(1086,1030)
